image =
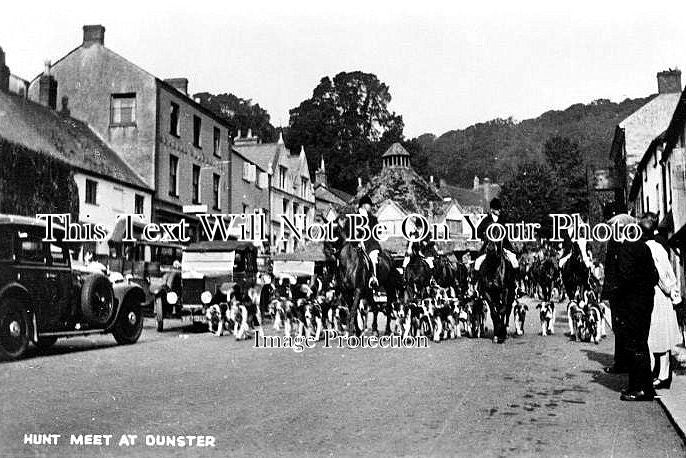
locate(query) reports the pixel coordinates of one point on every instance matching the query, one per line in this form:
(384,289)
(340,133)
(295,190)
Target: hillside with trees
(495,148)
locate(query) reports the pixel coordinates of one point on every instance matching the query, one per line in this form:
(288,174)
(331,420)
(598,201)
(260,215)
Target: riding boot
(373,282)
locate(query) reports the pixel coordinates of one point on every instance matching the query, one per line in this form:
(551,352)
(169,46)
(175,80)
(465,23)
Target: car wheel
(14,329)
(97,300)
(159,314)
(129,323)
(46,342)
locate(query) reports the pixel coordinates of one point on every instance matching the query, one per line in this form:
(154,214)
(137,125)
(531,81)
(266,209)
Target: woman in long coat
(664,329)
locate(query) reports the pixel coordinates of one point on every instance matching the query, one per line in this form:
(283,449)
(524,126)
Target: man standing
(610,294)
(636,278)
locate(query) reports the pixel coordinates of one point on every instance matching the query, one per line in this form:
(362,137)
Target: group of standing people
(642,290)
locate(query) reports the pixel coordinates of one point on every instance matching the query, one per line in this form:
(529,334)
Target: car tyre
(97,300)
(14,329)
(129,324)
(45,343)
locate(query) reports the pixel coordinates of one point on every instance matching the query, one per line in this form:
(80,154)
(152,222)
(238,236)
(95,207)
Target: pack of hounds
(440,315)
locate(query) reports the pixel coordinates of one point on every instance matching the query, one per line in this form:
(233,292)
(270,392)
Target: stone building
(177,147)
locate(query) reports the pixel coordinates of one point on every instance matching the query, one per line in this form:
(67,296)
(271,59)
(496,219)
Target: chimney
(442,183)
(487,190)
(476,182)
(47,88)
(359,183)
(64,111)
(93,34)
(669,81)
(431,179)
(180,84)
(320,174)
(4,73)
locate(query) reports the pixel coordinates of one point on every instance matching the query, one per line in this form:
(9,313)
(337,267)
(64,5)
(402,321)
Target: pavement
(674,399)
(531,396)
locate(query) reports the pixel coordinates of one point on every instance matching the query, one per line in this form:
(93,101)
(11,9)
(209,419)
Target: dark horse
(546,274)
(497,287)
(417,278)
(575,274)
(353,271)
(450,274)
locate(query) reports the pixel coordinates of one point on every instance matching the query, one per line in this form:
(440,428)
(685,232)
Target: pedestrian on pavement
(664,330)
(610,293)
(636,279)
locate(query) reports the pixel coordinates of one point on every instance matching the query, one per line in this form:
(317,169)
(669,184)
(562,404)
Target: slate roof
(62,137)
(644,124)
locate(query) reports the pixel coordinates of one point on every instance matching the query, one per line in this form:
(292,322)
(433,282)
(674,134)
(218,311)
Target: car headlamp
(172,298)
(206,297)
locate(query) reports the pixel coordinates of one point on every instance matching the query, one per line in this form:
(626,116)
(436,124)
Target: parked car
(205,266)
(44,297)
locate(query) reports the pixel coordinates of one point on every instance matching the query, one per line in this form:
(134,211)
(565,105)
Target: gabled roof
(466,197)
(262,154)
(324,193)
(344,196)
(62,137)
(644,124)
(396,149)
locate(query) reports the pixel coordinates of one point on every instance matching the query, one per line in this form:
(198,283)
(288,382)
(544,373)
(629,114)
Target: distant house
(107,186)
(291,190)
(634,135)
(177,147)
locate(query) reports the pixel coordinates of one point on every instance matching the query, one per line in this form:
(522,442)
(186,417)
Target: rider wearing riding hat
(424,248)
(568,248)
(493,217)
(371,246)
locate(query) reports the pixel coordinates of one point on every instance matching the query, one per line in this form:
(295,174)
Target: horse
(546,275)
(450,274)
(497,286)
(575,275)
(352,279)
(417,278)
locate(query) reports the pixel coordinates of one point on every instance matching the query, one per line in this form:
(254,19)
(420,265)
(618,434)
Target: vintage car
(205,266)
(44,297)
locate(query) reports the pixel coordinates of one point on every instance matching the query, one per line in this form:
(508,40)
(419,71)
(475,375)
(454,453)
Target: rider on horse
(370,246)
(424,248)
(568,249)
(494,217)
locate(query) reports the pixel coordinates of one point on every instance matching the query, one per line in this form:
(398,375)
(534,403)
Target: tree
(240,114)
(531,194)
(567,164)
(347,121)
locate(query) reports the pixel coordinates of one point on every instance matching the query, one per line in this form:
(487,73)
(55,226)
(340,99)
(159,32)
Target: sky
(448,64)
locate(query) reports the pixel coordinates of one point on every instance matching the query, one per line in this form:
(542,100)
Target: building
(107,186)
(290,189)
(177,147)
(634,134)
(398,192)
(328,200)
(249,190)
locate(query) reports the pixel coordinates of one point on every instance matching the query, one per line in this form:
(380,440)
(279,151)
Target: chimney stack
(476,182)
(442,183)
(93,34)
(180,84)
(47,88)
(669,81)
(4,73)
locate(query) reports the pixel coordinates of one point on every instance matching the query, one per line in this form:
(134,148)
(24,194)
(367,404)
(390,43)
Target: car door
(59,278)
(34,274)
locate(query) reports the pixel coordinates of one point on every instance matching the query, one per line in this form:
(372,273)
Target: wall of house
(88,77)
(188,154)
(245,190)
(112,199)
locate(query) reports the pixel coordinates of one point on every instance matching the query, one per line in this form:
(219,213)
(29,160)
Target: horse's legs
(353,326)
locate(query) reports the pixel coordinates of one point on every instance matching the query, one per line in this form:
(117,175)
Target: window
(282,177)
(669,178)
(58,255)
(31,248)
(174,120)
(215,190)
(647,203)
(263,180)
(197,123)
(217,142)
(306,210)
(139,204)
(285,206)
(173,174)
(245,209)
(196,184)
(123,109)
(91,192)
(249,172)
(303,187)
(455,227)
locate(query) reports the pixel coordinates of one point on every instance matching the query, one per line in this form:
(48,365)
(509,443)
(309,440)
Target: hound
(547,316)
(519,317)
